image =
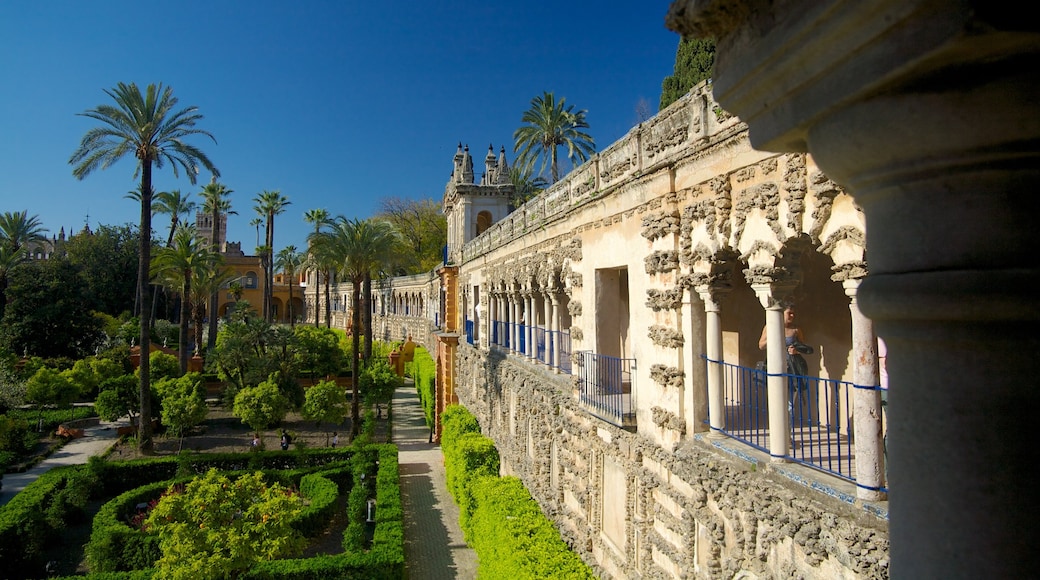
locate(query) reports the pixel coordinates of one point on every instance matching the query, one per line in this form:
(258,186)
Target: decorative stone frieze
(666,376)
(824,191)
(764,196)
(659,224)
(849,271)
(670,299)
(666,337)
(661,261)
(577,334)
(850,234)
(794,184)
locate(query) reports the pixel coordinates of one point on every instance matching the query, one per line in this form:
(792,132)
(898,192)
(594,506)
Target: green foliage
(162,365)
(378,381)
(12,387)
(118,396)
(326,402)
(319,353)
(16,435)
(424,371)
(50,387)
(106,262)
(261,406)
(548,125)
(511,536)
(183,402)
(694,62)
(48,314)
(116,546)
(423,232)
(514,539)
(468,455)
(219,527)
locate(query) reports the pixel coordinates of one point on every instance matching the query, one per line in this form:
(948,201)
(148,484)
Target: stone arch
(484,221)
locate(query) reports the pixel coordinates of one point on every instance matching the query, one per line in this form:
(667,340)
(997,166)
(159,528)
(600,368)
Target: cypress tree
(694,62)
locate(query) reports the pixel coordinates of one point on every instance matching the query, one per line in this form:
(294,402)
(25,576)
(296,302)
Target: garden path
(434,548)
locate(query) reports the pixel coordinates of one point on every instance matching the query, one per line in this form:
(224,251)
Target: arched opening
(484,221)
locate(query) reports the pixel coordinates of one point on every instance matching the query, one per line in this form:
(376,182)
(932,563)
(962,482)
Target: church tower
(471,208)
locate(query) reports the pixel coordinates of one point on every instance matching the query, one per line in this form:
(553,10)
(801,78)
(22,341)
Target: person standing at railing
(797,368)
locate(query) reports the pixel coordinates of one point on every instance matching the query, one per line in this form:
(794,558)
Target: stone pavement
(433,543)
(96,441)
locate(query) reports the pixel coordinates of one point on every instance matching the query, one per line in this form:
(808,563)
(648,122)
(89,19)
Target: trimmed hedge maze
(117,550)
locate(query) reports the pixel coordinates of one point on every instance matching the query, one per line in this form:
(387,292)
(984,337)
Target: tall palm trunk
(269,271)
(355,402)
(317,298)
(367,315)
(214,298)
(144,434)
(183,337)
(328,301)
(289,307)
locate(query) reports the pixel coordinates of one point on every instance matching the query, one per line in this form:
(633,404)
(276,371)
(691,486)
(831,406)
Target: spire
(490,167)
(467,166)
(503,168)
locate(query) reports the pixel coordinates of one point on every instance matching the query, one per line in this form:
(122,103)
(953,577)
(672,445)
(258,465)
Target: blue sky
(337,104)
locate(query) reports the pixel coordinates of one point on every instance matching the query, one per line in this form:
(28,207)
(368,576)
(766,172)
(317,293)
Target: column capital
(773,296)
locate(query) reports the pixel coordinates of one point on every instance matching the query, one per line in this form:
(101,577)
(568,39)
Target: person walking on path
(434,547)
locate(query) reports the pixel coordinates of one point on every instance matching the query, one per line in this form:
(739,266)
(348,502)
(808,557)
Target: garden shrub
(514,539)
(23,530)
(424,372)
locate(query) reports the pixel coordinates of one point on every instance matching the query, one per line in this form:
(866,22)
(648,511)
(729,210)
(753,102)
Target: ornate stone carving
(794,183)
(658,300)
(666,376)
(659,224)
(667,420)
(577,333)
(661,262)
(765,196)
(824,190)
(574,308)
(666,337)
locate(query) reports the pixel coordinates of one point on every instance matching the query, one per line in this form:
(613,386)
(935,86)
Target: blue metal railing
(820,413)
(605,387)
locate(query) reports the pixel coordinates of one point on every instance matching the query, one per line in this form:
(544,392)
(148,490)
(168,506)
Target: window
(250,280)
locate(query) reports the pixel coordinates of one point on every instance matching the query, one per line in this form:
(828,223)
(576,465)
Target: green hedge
(424,371)
(23,528)
(500,520)
(514,539)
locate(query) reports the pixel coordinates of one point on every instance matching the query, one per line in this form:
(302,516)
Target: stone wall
(692,512)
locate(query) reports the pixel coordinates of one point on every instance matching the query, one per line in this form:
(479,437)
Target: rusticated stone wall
(695,512)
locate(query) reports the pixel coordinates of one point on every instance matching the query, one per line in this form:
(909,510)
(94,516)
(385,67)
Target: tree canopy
(694,62)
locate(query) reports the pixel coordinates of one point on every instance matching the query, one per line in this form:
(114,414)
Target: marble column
(713,350)
(866,402)
(776,365)
(926,112)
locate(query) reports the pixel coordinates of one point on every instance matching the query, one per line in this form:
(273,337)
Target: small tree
(183,403)
(326,402)
(219,528)
(261,406)
(318,351)
(117,396)
(49,387)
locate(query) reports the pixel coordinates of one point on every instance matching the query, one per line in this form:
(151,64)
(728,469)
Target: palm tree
(175,205)
(150,128)
(268,205)
(255,222)
(17,230)
(319,218)
(358,247)
(525,186)
(177,264)
(216,202)
(289,261)
(548,126)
